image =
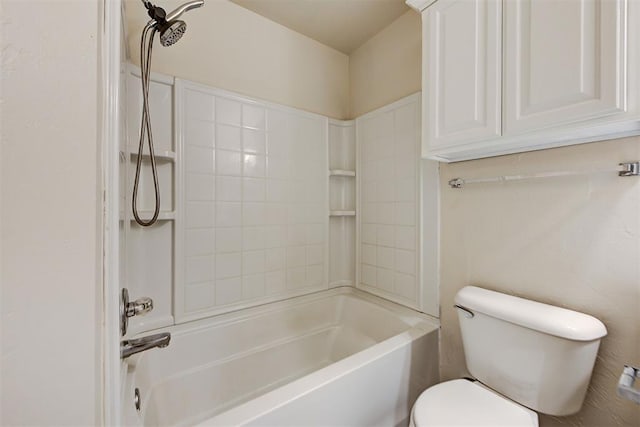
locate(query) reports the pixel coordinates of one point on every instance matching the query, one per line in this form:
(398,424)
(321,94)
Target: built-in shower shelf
(341,172)
(162,216)
(160,154)
(342,213)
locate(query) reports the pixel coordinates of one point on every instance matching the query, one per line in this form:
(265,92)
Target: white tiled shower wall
(255,201)
(388,141)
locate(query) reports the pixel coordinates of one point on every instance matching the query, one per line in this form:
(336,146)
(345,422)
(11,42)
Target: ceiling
(341,24)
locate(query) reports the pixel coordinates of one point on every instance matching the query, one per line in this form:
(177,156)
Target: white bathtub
(340,357)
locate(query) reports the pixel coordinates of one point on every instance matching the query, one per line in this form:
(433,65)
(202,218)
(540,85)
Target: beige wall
(232,48)
(49,254)
(573,242)
(387,67)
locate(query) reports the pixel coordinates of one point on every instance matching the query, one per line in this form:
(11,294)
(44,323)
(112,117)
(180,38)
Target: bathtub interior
(209,368)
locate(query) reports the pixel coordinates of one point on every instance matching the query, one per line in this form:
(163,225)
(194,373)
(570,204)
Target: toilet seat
(467,403)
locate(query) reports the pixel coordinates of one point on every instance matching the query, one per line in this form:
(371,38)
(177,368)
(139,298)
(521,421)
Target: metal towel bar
(624,169)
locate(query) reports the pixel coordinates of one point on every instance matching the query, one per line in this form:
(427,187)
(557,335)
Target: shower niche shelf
(149,268)
(161,155)
(342,172)
(342,203)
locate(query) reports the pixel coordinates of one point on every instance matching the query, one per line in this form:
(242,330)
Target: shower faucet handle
(140,306)
(129,309)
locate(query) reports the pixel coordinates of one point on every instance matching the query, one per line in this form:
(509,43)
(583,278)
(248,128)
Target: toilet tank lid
(545,318)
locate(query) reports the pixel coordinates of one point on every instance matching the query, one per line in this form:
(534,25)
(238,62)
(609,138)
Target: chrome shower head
(170,27)
(172,32)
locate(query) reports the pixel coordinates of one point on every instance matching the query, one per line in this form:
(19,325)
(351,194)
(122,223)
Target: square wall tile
(254,165)
(277,167)
(275,282)
(229,138)
(253,116)
(279,143)
(253,238)
(276,213)
(201,133)
(385,279)
(275,236)
(228,239)
(368,254)
(200,105)
(277,190)
(200,187)
(405,286)
(369,275)
(275,259)
(296,235)
(405,237)
(405,190)
(253,262)
(386,235)
(253,286)
(384,257)
(228,214)
(228,111)
(199,269)
(368,233)
(200,160)
(200,214)
(369,213)
(296,278)
(254,189)
(253,141)
(228,265)
(253,214)
(199,241)
(228,163)
(296,256)
(315,254)
(405,261)
(385,213)
(404,213)
(228,291)
(315,275)
(199,296)
(316,234)
(228,189)
(385,191)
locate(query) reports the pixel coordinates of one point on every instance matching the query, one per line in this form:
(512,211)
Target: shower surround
(263,330)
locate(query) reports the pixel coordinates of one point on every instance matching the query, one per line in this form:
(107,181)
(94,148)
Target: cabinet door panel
(462,63)
(564,61)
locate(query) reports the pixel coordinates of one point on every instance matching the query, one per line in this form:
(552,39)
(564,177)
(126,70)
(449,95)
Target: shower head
(170,27)
(172,32)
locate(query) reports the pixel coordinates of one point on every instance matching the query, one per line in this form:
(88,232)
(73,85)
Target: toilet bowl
(525,357)
(468,403)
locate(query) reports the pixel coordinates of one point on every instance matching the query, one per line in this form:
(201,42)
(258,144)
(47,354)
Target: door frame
(110,134)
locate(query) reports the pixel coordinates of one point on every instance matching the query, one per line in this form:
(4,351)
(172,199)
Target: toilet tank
(538,355)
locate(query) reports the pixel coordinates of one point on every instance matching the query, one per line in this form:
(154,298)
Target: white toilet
(525,356)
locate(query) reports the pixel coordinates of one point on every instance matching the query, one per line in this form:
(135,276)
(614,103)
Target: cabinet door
(462,72)
(564,61)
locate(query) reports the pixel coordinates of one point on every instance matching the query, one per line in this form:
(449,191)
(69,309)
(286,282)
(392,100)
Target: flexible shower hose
(146,41)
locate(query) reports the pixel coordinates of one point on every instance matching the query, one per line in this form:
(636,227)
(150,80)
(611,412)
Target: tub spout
(137,345)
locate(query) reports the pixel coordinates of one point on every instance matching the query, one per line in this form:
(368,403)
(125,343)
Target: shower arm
(174,14)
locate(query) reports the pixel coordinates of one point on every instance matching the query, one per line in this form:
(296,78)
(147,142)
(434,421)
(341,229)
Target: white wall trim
(110,135)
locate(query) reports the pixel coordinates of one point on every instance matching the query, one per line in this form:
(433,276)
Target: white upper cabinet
(462,62)
(564,61)
(506,76)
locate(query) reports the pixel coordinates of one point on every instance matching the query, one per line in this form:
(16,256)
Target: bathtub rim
(408,315)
